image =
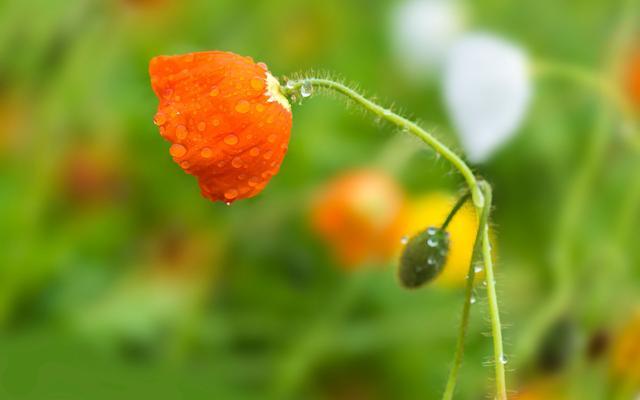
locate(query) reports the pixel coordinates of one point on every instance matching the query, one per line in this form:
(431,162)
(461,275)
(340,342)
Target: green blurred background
(118,280)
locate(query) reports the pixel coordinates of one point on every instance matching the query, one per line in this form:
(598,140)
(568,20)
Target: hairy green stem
(468,294)
(478,190)
(293,87)
(492,298)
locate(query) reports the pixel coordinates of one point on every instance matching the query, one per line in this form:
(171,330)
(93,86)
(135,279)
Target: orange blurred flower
(226,118)
(543,389)
(93,174)
(632,78)
(431,210)
(359,215)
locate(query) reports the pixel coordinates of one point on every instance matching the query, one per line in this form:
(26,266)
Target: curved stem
(478,191)
(468,293)
(388,115)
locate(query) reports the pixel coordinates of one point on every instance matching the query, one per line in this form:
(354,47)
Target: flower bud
(424,257)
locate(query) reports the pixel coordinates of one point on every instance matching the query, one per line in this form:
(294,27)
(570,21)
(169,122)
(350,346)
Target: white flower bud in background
(487,89)
(423,31)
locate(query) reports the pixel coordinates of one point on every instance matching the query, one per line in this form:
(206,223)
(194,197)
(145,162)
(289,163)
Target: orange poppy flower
(226,119)
(359,215)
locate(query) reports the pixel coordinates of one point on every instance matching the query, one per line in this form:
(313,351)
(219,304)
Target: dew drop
(432,231)
(270,120)
(206,153)
(290,85)
(254,152)
(503,359)
(431,261)
(259,108)
(263,66)
(253,181)
(231,139)
(228,203)
(177,150)
(306,89)
(272,138)
(257,83)
(185,164)
(404,239)
(181,132)
(160,119)
(477,269)
(243,106)
(201,126)
(472,300)
(267,155)
(214,91)
(236,162)
(231,194)
(432,242)
(215,122)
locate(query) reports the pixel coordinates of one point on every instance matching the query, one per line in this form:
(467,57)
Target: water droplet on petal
(231,139)
(236,162)
(290,85)
(432,242)
(503,359)
(215,122)
(243,106)
(259,107)
(160,119)
(231,194)
(253,181)
(272,138)
(257,83)
(267,155)
(404,239)
(214,91)
(201,126)
(181,132)
(177,150)
(432,231)
(254,152)
(206,153)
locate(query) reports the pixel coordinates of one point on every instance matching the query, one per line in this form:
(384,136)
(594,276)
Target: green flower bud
(423,257)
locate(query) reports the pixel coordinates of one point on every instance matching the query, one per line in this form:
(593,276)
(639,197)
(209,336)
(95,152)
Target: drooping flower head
(226,119)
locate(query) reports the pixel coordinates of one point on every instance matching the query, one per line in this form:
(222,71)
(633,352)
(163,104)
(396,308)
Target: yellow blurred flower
(431,210)
(625,355)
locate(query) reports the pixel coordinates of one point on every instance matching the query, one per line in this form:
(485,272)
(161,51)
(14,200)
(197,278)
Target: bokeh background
(118,280)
